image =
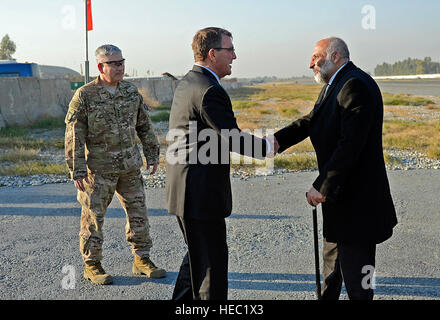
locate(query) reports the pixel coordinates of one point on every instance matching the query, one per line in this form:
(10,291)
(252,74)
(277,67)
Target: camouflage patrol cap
(106,50)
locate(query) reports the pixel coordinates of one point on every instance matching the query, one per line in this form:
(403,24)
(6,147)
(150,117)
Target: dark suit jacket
(202,190)
(345,128)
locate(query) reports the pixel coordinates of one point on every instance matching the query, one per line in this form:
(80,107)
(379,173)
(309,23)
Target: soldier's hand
(154,168)
(79,183)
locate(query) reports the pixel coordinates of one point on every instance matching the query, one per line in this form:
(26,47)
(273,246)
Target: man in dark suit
(345,128)
(198,188)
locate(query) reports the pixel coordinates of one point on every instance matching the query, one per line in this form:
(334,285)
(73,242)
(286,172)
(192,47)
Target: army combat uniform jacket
(101,131)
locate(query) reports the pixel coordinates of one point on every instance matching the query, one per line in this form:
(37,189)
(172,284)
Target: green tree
(420,67)
(408,66)
(7,48)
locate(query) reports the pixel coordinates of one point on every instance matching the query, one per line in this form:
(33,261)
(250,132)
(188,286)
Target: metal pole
(86,64)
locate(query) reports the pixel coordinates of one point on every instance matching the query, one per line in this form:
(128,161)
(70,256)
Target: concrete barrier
(24,101)
(155,91)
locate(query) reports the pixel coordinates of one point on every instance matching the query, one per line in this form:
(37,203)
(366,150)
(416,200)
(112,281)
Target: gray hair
(106,50)
(337,45)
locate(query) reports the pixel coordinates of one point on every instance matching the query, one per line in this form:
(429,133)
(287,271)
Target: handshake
(314,197)
(273,145)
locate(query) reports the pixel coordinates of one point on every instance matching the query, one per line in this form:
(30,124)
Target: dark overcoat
(345,128)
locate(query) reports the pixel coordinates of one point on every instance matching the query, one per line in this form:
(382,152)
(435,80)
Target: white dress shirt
(333,78)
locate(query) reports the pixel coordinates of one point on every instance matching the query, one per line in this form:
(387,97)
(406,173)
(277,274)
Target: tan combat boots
(147,267)
(95,273)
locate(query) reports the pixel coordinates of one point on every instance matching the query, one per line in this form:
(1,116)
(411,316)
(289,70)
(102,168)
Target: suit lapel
(207,73)
(320,96)
(213,79)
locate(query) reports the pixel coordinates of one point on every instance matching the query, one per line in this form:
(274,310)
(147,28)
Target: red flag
(89,15)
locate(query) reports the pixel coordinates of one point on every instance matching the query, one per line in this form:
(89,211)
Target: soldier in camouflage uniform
(103,158)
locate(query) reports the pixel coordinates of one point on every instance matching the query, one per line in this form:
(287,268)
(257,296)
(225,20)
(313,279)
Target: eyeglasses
(115,63)
(232,49)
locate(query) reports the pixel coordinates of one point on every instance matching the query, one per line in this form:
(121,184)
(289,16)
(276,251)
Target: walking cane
(316,245)
(315,238)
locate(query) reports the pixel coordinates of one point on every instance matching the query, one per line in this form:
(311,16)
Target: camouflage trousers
(98,194)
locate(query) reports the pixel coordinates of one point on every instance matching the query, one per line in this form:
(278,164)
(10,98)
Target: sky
(272,38)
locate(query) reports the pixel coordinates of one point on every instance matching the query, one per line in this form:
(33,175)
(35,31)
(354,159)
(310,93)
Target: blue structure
(11,68)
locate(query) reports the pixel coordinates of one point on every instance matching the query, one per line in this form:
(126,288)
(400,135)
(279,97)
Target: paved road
(425,87)
(415,87)
(269,236)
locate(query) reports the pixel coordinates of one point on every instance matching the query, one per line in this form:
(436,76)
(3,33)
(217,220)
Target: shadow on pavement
(69,212)
(111,212)
(403,286)
(392,286)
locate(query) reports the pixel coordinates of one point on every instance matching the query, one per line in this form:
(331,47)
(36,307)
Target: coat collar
(200,69)
(347,68)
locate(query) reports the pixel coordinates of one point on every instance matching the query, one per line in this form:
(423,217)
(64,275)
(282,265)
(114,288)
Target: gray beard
(322,76)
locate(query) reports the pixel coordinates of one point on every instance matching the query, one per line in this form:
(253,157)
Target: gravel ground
(409,160)
(405,159)
(269,237)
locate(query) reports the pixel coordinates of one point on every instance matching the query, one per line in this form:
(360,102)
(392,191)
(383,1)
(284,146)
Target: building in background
(12,68)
